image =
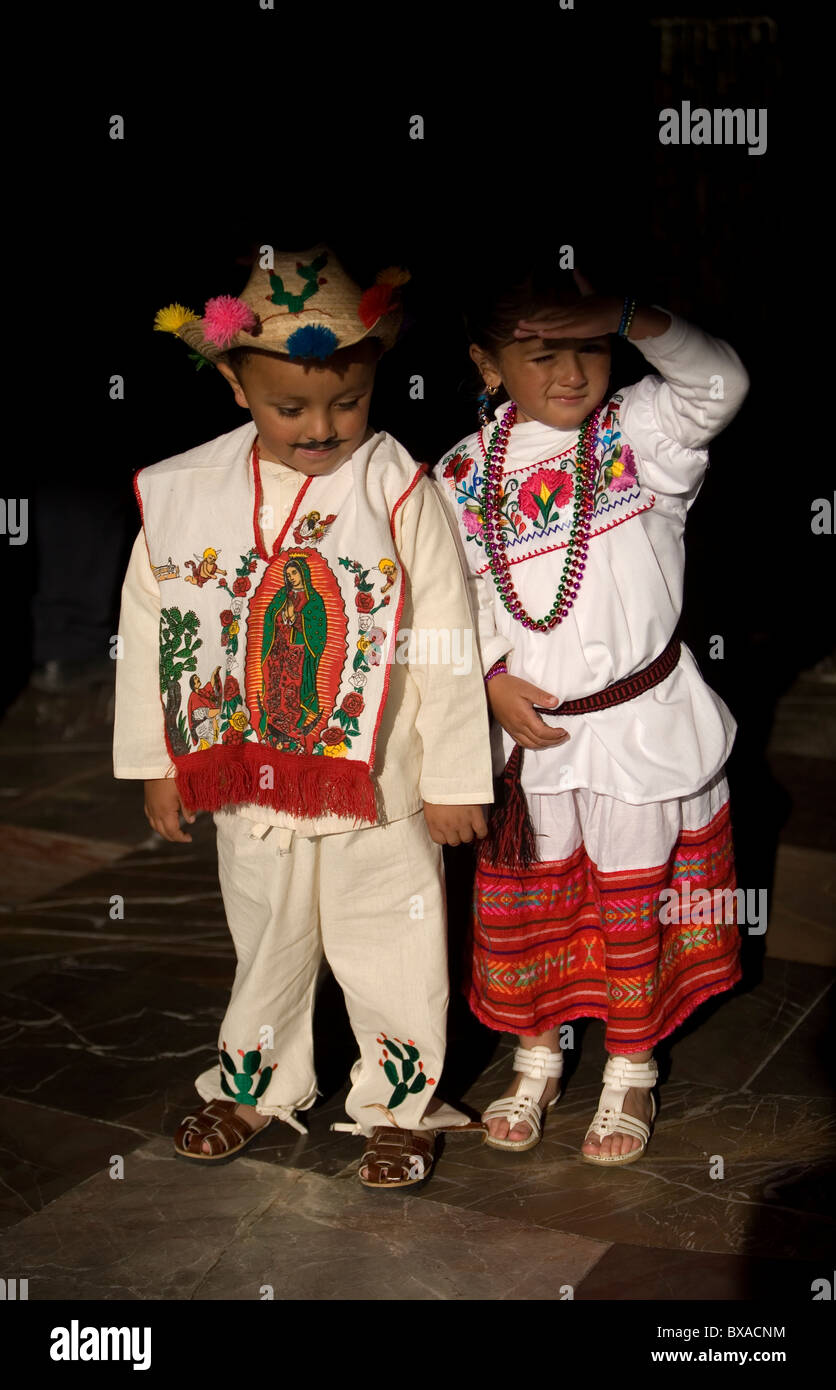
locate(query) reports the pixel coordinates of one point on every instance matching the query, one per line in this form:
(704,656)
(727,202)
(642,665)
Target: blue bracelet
(626,316)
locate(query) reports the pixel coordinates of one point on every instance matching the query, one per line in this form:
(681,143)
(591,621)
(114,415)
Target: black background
(291,126)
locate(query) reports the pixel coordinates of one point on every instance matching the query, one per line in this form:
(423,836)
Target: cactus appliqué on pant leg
(402,1066)
(243,1080)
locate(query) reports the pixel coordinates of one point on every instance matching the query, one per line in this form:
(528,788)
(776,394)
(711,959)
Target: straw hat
(306,307)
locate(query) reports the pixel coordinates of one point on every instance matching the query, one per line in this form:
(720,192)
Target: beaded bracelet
(498,669)
(626,316)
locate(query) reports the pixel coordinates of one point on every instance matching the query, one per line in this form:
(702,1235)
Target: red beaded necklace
(576,550)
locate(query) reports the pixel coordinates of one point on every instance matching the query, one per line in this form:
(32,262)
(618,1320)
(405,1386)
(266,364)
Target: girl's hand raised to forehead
(591,317)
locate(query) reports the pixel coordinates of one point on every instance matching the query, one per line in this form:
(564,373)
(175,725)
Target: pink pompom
(224,317)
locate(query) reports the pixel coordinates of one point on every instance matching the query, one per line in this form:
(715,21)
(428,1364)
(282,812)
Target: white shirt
(674,738)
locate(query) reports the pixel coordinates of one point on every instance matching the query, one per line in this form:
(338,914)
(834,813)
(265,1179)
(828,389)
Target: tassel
(510,840)
(304,786)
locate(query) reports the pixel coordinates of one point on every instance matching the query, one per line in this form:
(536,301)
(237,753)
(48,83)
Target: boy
(263,678)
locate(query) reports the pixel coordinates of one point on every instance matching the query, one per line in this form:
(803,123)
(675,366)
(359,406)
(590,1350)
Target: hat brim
(273,337)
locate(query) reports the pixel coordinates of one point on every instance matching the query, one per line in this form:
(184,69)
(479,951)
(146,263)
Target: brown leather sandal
(409,1153)
(227,1134)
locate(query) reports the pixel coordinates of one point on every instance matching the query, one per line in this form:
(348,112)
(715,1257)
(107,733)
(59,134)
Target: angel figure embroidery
(203,568)
(388,569)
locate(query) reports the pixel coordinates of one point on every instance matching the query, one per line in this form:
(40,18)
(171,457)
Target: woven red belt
(621,691)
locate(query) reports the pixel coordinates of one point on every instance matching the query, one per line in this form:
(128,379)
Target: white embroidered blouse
(671,740)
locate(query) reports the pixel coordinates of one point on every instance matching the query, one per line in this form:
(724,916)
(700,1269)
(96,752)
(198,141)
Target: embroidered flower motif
(239,720)
(234,629)
(543,494)
(314,340)
(364,602)
(364,623)
(358,680)
(331,735)
(172,318)
(623,470)
(224,318)
(242,586)
(472,520)
(226,617)
(231,690)
(354,705)
(334,750)
(458,467)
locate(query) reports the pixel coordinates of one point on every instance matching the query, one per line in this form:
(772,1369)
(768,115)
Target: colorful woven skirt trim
(562,940)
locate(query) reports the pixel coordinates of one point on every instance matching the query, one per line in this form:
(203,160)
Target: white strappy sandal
(536,1064)
(620,1075)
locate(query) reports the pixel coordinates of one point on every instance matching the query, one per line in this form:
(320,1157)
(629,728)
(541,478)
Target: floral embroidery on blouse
(468,491)
(617,471)
(542,495)
(537,500)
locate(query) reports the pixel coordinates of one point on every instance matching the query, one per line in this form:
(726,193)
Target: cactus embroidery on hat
(295,302)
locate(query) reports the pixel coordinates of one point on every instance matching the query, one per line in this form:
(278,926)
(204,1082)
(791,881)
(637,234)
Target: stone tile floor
(105,1021)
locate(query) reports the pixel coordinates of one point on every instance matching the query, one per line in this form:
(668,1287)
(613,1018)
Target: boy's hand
(455,825)
(511,701)
(163,807)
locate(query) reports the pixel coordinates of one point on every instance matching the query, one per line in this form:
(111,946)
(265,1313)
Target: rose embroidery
(353,705)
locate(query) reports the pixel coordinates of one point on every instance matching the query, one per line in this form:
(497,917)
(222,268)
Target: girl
(571,508)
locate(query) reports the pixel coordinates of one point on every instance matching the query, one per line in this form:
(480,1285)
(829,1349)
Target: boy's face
(310,418)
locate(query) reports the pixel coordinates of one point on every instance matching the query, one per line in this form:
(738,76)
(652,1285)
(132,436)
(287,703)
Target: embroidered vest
(274,667)
(537,498)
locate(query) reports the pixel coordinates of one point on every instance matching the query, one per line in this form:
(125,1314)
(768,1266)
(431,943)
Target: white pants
(371,901)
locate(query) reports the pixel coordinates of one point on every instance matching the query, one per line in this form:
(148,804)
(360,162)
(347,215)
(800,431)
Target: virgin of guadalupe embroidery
(296,650)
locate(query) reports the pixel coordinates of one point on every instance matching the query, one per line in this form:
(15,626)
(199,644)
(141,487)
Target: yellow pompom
(393,275)
(172,318)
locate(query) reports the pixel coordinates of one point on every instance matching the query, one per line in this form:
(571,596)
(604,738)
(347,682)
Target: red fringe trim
(303,786)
